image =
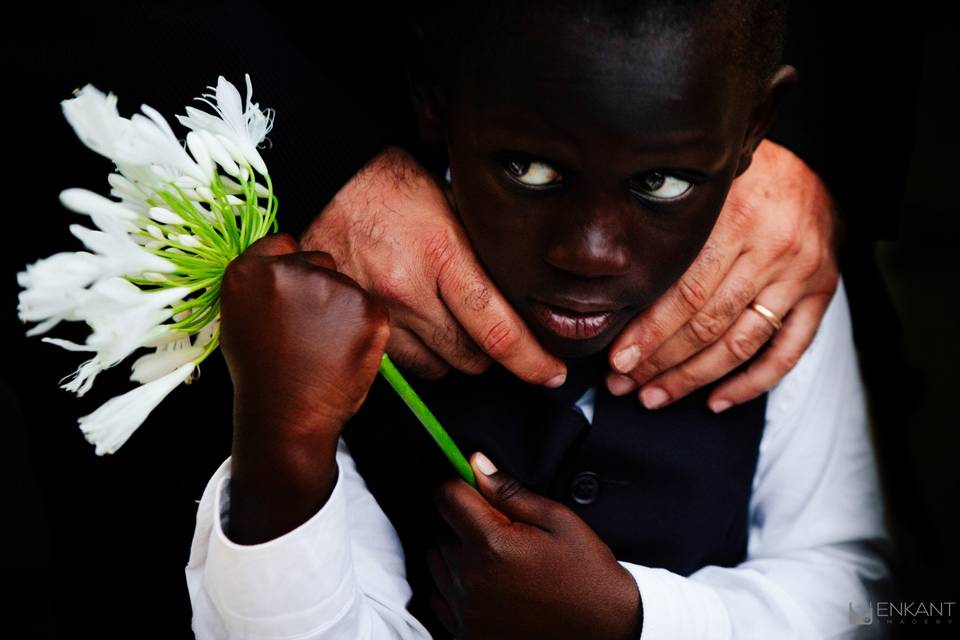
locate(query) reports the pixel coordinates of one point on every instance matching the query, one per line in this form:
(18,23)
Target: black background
(99,544)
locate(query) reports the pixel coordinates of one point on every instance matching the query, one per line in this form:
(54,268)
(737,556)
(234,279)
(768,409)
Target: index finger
(493,324)
(272,245)
(467,512)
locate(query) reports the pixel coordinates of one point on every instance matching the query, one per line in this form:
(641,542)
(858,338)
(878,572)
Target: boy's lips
(575,320)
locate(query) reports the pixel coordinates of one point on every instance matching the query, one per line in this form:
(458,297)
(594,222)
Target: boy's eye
(532,172)
(661,186)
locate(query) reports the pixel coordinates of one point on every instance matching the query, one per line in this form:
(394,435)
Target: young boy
(590,148)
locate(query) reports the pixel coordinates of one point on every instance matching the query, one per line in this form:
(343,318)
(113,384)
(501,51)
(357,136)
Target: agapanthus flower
(150,278)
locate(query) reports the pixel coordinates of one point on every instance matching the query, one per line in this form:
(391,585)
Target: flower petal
(155,365)
(110,426)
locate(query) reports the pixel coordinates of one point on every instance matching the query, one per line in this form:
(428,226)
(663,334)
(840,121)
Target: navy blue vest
(668,488)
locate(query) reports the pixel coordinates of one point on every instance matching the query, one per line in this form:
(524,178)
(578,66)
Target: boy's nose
(591,246)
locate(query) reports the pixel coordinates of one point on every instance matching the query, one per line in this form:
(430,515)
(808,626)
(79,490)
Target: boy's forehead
(656,89)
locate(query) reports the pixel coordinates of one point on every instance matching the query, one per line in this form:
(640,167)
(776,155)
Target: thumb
(511,498)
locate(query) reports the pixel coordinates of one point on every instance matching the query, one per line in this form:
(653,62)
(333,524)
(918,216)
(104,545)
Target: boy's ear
(422,80)
(763,113)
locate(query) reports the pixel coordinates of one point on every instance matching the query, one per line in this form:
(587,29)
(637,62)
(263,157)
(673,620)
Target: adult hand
(391,228)
(773,245)
(525,567)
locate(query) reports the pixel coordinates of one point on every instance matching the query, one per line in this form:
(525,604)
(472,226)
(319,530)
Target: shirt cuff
(298,583)
(678,607)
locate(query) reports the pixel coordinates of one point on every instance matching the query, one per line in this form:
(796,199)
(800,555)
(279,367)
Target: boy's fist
(302,342)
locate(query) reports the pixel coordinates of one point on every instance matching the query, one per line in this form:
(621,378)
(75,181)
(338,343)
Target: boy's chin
(569,349)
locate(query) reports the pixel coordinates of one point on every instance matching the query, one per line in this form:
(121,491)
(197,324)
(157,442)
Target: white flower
(166,358)
(153,142)
(243,128)
(123,318)
(112,424)
(95,120)
(151,277)
(131,143)
(108,215)
(217,152)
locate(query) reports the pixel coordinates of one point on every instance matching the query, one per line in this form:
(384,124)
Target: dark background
(100,543)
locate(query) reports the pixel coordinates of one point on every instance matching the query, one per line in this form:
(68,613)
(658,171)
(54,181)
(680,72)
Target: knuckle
(233,277)
(809,261)
(647,369)
(735,298)
(740,346)
(500,339)
(376,314)
(651,334)
(693,294)
(739,213)
(392,286)
(743,344)
(557,512)
(507,490)
(787,359)
(497,546)
(352,301)
(784,243)
(418,362)
(476,296)
(710,256)
(706,328)
(438,252)
(443,336)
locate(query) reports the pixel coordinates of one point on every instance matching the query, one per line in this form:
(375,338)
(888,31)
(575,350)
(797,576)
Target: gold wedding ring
(768,315)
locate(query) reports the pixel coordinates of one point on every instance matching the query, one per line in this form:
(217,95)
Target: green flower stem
(409,396)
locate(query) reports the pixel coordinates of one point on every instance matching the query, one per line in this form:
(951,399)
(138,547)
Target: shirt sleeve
(817,547)
(340,574)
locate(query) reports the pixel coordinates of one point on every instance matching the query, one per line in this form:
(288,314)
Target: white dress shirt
(816,538)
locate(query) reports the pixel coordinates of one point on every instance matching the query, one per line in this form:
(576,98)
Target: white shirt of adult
(816,538)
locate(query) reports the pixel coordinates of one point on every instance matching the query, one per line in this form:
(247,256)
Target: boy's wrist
(631,607)
(277,486)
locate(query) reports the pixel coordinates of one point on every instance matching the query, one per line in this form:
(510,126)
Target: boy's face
(588,169)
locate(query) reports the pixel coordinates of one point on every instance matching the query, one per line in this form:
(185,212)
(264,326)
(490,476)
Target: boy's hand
(391,228)
(303,344)
(772,244)
(526,567)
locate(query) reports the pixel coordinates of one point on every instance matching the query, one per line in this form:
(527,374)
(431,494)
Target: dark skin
(589,117)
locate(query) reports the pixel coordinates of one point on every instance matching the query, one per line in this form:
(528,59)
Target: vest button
(585,487)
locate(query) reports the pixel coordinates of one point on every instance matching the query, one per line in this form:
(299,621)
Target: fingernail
(557,381)
(619,385)
(627,359)
(483,463)
(718,406)
(654,397)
